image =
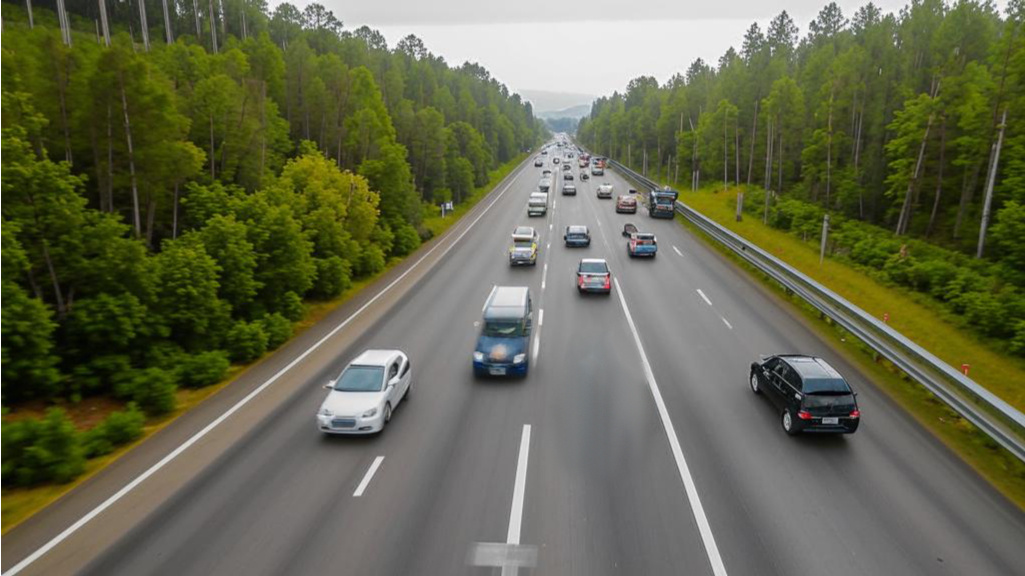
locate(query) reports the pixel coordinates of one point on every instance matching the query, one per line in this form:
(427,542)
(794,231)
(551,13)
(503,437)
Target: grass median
(911,314)
(19,504)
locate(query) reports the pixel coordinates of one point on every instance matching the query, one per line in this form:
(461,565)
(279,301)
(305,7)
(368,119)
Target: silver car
(362,398)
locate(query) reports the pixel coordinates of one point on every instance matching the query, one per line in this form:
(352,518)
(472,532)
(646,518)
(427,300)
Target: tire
(788,423)
(387,415)
(755,387)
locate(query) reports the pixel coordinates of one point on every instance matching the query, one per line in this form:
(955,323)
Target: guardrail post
(825,235)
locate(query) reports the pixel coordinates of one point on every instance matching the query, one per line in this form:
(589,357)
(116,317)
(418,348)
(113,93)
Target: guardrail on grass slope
(995,417)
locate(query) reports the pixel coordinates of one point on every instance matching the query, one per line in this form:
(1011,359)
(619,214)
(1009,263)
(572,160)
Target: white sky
(586,47)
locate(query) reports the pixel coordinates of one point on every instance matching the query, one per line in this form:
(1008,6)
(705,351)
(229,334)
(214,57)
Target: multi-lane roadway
(634,446)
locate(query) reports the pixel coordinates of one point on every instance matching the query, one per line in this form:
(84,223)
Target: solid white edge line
(110,501)
(367,477)
(707,538)
(519,488)
(727,323)
(541,317)
(702,294)
(678,251)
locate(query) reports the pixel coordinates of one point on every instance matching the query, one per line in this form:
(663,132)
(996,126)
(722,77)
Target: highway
(634,446)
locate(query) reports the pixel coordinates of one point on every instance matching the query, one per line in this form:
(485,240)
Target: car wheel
(387,414)
(754,384)
(789,426)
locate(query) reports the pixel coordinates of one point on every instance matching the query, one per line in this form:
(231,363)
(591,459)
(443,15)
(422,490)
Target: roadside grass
(19,504)
(437,225)
(998,466)
(914,315)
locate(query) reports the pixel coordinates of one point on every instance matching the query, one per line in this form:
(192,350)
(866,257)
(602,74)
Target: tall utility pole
(990,182)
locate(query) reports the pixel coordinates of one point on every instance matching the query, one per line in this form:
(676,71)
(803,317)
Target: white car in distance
(362,398)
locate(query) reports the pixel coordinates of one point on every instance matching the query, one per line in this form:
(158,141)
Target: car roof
(644,235)
(593,261)
(576,228)
(523,230)
(507,302)
(811,366)
(375,358)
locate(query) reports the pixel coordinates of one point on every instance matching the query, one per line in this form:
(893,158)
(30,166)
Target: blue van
(504,342)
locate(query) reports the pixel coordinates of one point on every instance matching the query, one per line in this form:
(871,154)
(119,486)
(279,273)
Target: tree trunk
(990,182)
(195,13)
(779,187)
(939,179)
(754,136)
(829,150)
(28,6)
(61,309)
(174,216)
(857,159)
(905,211)
(104,22)
(143,23)
(168,32)
(736,151)
(62,86)
(725,150)
(110,159)
(213,27)
(213,156)
(131,158)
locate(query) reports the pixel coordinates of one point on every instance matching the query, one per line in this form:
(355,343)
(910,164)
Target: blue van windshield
(503,328)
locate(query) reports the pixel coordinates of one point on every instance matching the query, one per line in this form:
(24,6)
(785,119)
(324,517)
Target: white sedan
(361,400)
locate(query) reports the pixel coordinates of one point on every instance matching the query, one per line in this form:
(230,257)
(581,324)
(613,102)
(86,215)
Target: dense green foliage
(890,122)
(839,117)
(168,208)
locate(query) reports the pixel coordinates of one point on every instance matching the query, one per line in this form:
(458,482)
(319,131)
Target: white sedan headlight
(325,412)
(370,413)
(478,356)
(519,358)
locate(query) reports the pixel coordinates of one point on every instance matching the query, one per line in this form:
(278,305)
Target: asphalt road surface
(634,446)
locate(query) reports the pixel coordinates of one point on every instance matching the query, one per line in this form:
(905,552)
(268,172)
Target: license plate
(497,371)
(830,420)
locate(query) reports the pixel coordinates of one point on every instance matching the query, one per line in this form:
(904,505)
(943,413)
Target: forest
(908,129)
(180,177)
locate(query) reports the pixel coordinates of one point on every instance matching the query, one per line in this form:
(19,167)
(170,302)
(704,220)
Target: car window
(791,377)
(405,369)
(503,328)
(361,379)
(826,386)
(771,364)
(593,267)
(393,371)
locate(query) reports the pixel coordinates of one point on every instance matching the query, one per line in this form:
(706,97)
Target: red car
(626,204)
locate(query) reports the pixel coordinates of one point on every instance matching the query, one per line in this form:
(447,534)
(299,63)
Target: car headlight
(478,356)
(370,413)
(519,358)
(325,412)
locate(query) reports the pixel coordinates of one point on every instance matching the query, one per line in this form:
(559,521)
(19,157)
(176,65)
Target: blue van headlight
(478,356)
(519,358)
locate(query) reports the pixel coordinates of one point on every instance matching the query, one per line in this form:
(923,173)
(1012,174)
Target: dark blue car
(504,342)
(577,236)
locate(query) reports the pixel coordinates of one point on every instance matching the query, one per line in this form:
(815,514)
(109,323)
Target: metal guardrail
(995,417)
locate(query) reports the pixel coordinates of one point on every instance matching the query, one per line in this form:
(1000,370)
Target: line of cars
(810,394)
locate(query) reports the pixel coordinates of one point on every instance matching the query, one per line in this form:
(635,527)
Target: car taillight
(856,414)
(633,245)
(580,280)
(608,281)
(804,415)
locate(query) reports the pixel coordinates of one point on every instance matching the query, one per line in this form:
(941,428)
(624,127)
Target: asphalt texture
(604,492)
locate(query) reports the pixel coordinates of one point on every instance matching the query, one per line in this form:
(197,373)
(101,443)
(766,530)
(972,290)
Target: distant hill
(562,124)
(577,112)
(545,101)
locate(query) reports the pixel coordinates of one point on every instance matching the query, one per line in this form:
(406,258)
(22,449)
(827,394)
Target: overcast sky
(592,47)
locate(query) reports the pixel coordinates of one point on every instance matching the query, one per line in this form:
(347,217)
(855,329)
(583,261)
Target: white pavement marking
(544,276)
(707,301)
(678,251)
(537,346)
(516,514)
(367,477)
(56,540)
(550,226)
(486,300)
(727,323)
(541,317)
(707,538)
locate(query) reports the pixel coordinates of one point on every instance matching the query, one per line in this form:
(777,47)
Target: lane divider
(705,529)
(367,477)
(680,254)
(702,294)
(127,488)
